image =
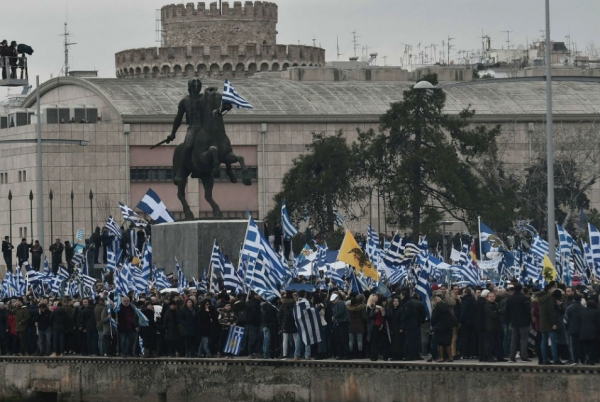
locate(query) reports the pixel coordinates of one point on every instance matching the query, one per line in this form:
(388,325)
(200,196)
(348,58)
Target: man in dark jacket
(7,249)
(127,324)
(87,324)
(548,323)
(100,307)
(60,324)
(413,316)
(518,316)
(341,321)
(573,318)
(23,251)
(268,323)
(56,251)
(253,326)
(467,325)
(44,325)
(36,255)
(69,253)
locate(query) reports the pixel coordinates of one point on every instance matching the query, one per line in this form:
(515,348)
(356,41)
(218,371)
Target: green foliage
(428,164)
(321,181)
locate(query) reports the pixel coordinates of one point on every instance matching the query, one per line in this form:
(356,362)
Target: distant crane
(338,48)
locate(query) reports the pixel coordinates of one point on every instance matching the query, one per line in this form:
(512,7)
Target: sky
(104,27)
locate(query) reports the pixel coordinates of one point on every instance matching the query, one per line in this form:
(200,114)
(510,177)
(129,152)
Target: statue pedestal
(192,243)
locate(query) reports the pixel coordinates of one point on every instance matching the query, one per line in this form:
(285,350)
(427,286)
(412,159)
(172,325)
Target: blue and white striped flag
(231,96)
(398,276)
(373,250)
(234,341)
(181,282)
(113,228)
(468,269)
(423,289)
(594,244)
(80,234)
(338,219)
(289,230)
(160,280)
(129,215)
(153,206)
(47,270)
(255,242)
(540,247)
(147,261)
(260,280)
(308,322)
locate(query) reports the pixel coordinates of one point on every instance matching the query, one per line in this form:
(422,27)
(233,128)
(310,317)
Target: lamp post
(72,217)
(549,144)
(31,213)
(10,216)
(51,196)
(91,213)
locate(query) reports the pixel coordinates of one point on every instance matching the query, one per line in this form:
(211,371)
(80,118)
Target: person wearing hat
(341,322)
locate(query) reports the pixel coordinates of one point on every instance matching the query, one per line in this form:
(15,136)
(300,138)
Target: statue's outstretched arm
(176,124)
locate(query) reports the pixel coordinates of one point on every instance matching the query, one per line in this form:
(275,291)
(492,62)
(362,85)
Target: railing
(11,66)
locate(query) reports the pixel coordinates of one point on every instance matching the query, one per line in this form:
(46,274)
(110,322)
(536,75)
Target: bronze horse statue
(206,145)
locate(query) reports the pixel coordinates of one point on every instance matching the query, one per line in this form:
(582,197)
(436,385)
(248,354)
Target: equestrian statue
(206,145)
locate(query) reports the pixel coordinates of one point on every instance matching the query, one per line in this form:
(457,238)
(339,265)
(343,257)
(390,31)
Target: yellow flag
(548,272)
(352,254)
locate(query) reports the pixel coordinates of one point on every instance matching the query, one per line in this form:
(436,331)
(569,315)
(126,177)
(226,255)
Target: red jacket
(12,324)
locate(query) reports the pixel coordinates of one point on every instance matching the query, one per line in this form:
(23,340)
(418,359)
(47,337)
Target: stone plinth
(192,242)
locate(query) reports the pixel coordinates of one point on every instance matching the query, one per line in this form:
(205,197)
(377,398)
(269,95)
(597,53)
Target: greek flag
(121,284)
(373,249)
(113,228)
(356,286)
(47,270)
(181,282)
(532,267)
(88,281)
(128,215)
(398,276)
(79,234)
(334,277)
(260,280)
(153,206)
(234,341)
(255,242)
(140,284)
(112,321)
(33,277)
(161,281)
(423,289)
(231,96)
(578,261)
(540,247)
(594,244)
(338,219)
(77,260)
(468,269)
(308,322)
(142,318)
(147,261)
(231,279)
(289,230)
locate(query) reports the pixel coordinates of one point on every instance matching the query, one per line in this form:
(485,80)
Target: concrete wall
(218,381)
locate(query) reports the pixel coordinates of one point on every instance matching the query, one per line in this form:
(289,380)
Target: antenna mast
(67,44)
(337,39)
(354,41)
(449,47)
(507,38)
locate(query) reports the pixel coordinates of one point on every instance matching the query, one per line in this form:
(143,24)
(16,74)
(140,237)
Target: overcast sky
(103,27)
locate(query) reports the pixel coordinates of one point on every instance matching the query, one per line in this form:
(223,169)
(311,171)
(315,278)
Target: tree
(320,182)
(426,162)
(576,170)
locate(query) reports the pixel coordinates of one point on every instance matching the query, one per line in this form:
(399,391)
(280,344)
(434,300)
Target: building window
(20,177)
(24,175)
(23,232)
(165,174)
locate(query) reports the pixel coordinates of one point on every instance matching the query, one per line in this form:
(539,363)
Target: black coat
(87,318)
(413,315)
(573,317)
(23,252)
(60,320)
(590,324)
(442,324)
(148,333)
(253,312)
(268,315)
(518,310)
(207,320)
(467,311)
(479,314)
(286,316)
(188,318)
(171,325)
(3,324)
(492,319)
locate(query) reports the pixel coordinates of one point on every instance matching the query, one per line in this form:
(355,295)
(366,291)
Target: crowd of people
(557,325)
(10,60)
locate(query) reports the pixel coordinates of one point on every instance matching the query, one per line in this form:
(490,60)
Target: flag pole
(481,256)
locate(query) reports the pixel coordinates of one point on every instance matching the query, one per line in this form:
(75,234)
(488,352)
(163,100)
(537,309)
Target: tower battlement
(251,11)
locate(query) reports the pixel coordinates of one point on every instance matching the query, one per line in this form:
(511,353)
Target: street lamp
(10,215)
(549,144)
(31,212)
(91,212)
(51,196)
(72,217)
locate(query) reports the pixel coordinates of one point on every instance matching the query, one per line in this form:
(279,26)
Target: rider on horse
(193,107)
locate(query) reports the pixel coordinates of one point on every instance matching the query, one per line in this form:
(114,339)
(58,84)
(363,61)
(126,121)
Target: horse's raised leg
(233,158)
(181,195)
(211,156)
(208,183)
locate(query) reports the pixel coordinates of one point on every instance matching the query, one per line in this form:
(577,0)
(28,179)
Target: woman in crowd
(378,328)
(227,319)
(357,323)
(188,318)
(395,322)
(207,319)
(442,322)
